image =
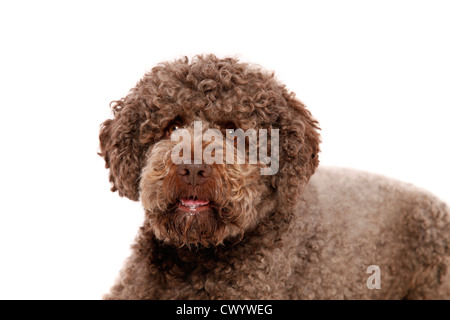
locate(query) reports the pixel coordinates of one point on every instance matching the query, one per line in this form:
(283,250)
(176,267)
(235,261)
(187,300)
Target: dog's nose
(194,174)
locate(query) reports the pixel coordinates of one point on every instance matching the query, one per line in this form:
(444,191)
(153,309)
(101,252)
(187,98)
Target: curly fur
(285,236)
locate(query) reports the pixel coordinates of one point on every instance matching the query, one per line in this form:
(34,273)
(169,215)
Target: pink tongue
(191,202)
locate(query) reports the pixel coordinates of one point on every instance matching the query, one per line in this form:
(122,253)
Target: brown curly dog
(227,231)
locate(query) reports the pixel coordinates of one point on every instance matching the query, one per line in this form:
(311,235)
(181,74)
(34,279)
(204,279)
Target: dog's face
(199,203)
(196,201)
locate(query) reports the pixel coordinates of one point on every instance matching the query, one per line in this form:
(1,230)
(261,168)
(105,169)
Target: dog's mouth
(193,205)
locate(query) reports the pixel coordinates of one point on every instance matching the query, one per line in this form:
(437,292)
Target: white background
(376,74)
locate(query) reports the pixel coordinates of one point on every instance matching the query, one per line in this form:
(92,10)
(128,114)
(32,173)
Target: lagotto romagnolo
(225,230)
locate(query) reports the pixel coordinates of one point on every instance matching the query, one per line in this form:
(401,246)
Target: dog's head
(164,146)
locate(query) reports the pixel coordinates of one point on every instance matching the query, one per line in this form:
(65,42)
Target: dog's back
(381,238)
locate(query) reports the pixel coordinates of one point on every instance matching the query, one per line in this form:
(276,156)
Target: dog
(230,230)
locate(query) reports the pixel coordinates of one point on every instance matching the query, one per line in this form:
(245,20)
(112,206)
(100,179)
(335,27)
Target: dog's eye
(231,134)
(172,128)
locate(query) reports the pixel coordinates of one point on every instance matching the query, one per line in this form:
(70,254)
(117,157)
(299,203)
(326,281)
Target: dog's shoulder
(353,197)
(334,184)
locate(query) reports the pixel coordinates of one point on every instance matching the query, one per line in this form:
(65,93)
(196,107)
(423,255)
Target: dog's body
(224,231)
(366,220)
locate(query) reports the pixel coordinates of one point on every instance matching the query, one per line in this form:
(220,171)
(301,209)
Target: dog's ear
(299,148)
(121,148)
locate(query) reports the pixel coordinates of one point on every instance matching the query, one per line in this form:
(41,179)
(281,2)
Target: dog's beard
(230,193)
(206,228)
(206,224)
